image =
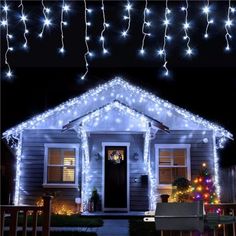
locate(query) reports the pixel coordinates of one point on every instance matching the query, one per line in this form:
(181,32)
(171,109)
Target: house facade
(117,138)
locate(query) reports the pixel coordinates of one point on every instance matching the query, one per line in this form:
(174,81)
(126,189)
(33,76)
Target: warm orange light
(199,188)
(200,179)
(196,181)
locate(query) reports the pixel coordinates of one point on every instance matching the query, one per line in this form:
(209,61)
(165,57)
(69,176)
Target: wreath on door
(116,157)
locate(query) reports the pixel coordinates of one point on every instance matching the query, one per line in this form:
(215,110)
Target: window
(172,162)
(61,165)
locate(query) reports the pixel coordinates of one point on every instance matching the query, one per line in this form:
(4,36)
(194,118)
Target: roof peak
(36,120)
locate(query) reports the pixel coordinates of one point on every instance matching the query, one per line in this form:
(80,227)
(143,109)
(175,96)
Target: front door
(115,178)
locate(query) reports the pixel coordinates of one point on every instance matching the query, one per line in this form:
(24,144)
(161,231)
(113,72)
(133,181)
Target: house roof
(126,93)
(121,106)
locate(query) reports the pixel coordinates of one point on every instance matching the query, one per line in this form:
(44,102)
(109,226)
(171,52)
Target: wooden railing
(12,212)
(222,230)
(227,209)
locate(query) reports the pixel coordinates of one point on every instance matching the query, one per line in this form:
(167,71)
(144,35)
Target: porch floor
(115,215)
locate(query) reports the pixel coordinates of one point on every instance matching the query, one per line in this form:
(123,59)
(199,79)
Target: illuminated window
(60,164)
(173,161)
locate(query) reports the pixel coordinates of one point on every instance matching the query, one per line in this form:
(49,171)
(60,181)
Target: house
(127,143)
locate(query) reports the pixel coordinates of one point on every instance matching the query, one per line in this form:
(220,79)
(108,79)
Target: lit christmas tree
(204,187)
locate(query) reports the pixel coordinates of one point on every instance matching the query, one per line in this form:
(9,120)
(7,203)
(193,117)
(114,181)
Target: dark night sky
(204,84)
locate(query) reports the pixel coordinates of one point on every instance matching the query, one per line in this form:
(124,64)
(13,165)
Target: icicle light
(23,18)
(145,24)
(46,21)
(186,26)
(86,39)
(228,25)
(128,8)
(64,9)
(162,51)
(5,23)
(206,10)
(105,25)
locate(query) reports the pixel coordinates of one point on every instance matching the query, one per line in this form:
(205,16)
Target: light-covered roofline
(30,123)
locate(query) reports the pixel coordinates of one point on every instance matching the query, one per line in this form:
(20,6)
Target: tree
(204,187)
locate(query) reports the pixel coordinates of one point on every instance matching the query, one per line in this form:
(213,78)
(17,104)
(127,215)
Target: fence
(12,212)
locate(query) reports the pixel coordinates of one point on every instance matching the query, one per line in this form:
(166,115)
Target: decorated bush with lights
(182,190)
(204,187)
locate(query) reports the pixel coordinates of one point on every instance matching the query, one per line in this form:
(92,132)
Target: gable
(172,116)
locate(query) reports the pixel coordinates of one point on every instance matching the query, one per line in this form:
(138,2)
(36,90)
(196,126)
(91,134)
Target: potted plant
(182,189)
(95,198)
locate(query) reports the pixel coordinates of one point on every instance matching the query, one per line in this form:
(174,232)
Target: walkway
(114,228)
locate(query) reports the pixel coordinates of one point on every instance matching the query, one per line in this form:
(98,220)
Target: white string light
(64,8)
(206,11)
(186,26)
(228,24)
(146,23)
(105,25)
(162,51)
(24,19)
(46,21)
(5,23)
(86,39)
(127,17)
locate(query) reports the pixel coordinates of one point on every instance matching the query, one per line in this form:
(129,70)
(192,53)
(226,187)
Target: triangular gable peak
(117,117)
(172,116)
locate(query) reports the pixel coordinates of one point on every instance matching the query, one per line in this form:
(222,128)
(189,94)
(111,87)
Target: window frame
(171,146)
(60,145)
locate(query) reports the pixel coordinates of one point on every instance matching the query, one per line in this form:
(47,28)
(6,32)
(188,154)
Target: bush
(63,221)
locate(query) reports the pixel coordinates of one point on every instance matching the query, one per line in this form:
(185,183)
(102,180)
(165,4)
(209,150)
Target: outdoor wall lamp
(97,156)
(135,156)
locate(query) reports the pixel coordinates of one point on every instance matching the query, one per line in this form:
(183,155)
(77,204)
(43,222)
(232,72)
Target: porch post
(147,163)
(85,168)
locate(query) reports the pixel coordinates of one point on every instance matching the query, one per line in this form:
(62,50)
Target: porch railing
(12,212)
(220,230)
(227,209)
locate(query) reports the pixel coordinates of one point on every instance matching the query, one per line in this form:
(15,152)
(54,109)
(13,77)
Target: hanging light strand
(8,36)
(105,25)
(24,19)
(64,8)
(162,51)
(86,39)
(146,23)
(206,11)
(128,8)
(228,24)
(46,21)
(186,26)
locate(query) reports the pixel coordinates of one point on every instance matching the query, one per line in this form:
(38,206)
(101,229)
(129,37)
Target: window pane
(165,175)
(54,156)
(165,157)
(179,156)
(55,174)
(179,172)
(69,157)
(69,174)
